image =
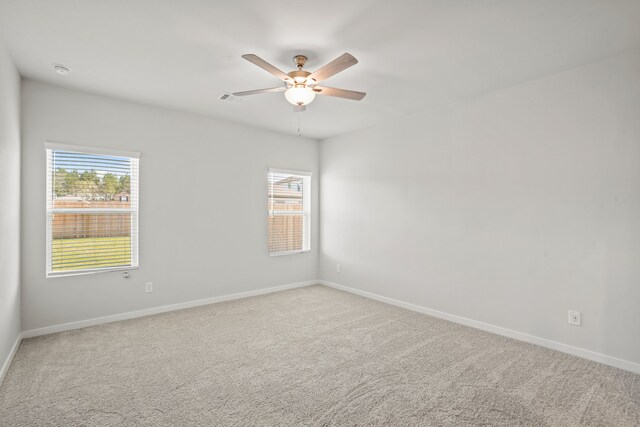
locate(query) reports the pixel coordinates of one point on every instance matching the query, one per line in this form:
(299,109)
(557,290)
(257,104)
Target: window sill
(289,253)
(92,271)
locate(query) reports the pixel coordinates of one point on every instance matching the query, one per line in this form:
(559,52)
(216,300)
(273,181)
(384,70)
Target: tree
(110,185)
(90,176)
(88,189)
(124,184)
(88,185)
(72,183)
(59,182)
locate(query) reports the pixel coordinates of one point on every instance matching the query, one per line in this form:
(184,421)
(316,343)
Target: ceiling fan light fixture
(299,95)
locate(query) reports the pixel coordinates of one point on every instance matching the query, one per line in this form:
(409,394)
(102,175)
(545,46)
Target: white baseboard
(156,310)
(521,336)
(10,356)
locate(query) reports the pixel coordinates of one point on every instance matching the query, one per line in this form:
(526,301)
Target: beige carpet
(309,356)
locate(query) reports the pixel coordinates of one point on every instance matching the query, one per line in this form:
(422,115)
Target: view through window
(289,203)
(92,211)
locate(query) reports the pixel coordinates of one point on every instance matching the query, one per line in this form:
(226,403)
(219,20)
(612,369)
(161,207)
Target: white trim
(290,172)
(10,356)
(301,251)
(66,273)
(554,345)
(48,218)
(521,336)
(49,145)
(162,309)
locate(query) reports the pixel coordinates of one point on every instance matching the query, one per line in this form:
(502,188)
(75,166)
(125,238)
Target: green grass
(95,252)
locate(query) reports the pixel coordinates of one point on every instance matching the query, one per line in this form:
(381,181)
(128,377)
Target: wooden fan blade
(254,59)
(257,91)
(340,93)
(341,63)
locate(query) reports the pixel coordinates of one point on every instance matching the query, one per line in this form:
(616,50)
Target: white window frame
(133,210)
(306,212)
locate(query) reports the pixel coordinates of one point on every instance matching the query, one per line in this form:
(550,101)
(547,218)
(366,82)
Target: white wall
(509,209)
(9,204)
(203,223)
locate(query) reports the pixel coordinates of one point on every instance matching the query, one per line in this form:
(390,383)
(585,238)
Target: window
(289,200)
(92,210)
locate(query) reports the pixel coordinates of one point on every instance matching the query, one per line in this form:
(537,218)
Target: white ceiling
(414,55)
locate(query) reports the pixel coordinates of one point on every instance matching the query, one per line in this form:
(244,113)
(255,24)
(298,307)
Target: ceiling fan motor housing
(300,60)
(299,78)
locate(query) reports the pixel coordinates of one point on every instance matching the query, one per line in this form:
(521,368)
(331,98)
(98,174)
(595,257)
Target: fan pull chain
(299,125)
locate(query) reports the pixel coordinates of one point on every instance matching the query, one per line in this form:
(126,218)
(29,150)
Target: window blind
(92,210)
(289,204)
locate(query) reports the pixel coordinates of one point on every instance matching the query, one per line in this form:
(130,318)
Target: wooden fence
(285,232)
(90,225)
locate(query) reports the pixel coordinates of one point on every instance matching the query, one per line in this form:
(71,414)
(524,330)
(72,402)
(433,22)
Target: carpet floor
(309,356)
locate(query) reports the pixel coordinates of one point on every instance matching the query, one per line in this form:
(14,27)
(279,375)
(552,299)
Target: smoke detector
(61,69)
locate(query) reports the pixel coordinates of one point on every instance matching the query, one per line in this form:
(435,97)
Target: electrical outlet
(148,286)
(338,268)
(574,318)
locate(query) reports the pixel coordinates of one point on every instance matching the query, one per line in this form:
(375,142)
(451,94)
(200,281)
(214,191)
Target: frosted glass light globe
(299,95)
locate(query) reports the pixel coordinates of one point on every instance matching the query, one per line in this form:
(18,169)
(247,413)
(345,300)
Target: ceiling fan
(300,86)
